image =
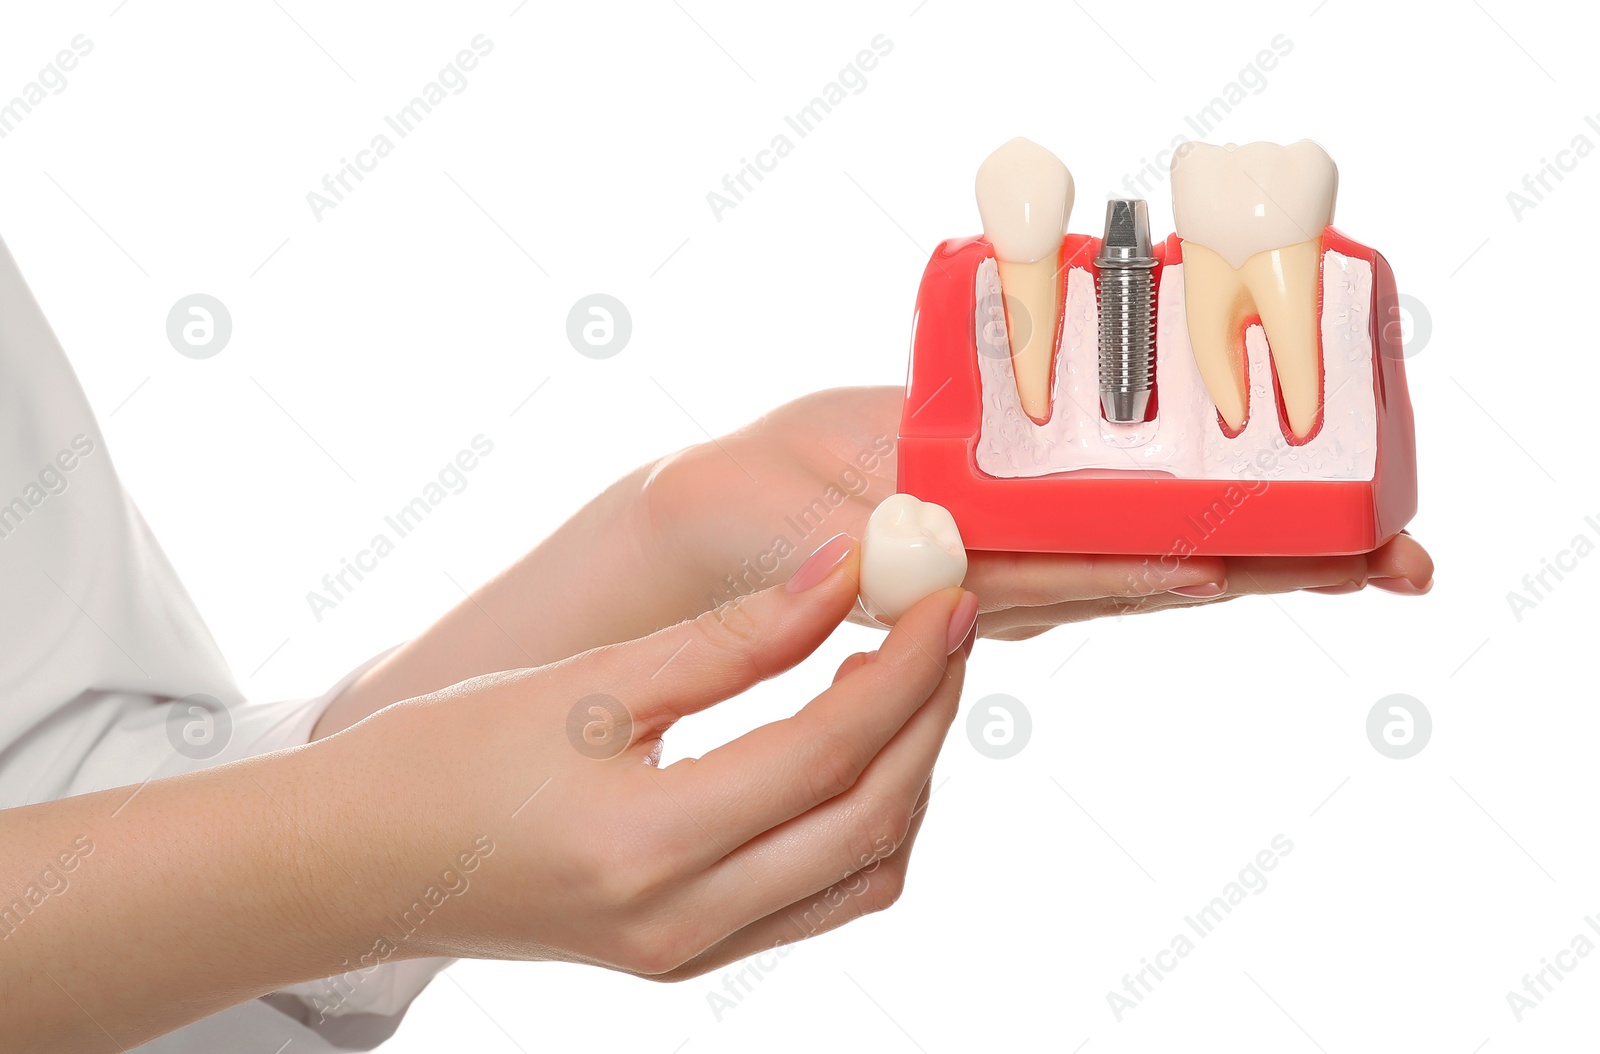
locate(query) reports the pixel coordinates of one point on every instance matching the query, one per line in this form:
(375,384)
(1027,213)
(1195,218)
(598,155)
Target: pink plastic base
(1128,513)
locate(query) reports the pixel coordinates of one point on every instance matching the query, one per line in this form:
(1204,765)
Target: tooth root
(1025,198)
(1279,285)
(1217,302)
(1032,294)
(1283,283)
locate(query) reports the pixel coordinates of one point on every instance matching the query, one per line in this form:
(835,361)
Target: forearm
(130,912)
(599,579)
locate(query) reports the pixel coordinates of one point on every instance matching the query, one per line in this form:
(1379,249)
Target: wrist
(346,841)
(220,885)
(413,803)
(392,851)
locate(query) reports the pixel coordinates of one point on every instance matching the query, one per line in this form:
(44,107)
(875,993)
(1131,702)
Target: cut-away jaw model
(1235,388)
(1250,219)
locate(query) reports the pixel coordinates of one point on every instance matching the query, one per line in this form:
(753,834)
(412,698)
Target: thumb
(695,664)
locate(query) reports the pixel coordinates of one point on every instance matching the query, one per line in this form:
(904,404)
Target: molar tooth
(1025,199)
(1251,219)
(910,549)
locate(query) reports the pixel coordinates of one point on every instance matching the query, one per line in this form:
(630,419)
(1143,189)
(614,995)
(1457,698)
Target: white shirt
(101,652)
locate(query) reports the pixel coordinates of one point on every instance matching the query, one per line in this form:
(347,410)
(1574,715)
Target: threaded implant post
(1127,312)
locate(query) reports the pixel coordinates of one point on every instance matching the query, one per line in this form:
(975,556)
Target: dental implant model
(1127,312)
(1237,388)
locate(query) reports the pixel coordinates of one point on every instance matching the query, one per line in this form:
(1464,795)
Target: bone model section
(910,549)
(1251,219)
(1025,198)
(1183,440)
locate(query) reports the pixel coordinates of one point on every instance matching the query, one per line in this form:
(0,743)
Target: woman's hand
(741,511)
(723,519)
(518,816)
(599,856)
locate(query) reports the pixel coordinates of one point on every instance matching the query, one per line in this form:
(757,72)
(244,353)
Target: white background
(370,346)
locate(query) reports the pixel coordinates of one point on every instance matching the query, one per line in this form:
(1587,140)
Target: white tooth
(1240,200)
(910,549)
(1251,218)
(1025,198)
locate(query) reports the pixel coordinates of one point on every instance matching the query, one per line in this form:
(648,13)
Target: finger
(816,914)
(780,770)
(690,666)
(1041,579)
(1260,575)
(1401,565)
(840,837)
(853,663)
(1021,623)
(918,811)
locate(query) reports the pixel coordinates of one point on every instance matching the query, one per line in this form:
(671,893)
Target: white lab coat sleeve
(109,676)
(352,1012)
(119,738)
(108,739)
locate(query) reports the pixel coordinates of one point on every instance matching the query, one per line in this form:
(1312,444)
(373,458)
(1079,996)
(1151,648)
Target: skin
(789,831)
(294,865)
(672,544)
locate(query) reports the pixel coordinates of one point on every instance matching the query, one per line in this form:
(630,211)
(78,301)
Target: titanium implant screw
(1127,312)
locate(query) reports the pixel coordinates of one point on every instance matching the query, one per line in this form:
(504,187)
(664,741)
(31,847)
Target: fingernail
(1336,591)
(1402,586)
(1203,591)
(962,620)
(820,563)
(972,638)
